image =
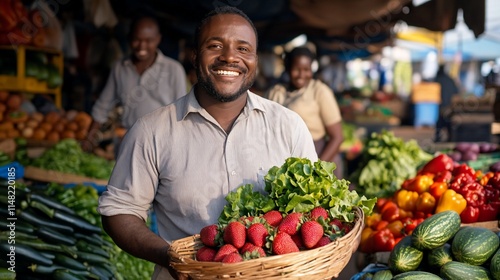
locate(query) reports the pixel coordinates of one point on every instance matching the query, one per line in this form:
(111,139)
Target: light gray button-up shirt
(159,85)
(182,161)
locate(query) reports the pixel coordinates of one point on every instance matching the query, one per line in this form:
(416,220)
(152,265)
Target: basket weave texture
(320,263)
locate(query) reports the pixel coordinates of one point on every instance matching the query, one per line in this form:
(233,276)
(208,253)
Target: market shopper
(448,90)
(315,102)
(186,157)
(141,83)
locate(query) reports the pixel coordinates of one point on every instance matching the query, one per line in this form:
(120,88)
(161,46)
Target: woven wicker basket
(321,263)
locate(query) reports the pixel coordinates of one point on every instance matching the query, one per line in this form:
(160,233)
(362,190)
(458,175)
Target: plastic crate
(426,114)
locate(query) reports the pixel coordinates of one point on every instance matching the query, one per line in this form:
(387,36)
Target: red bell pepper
(491,194)
(383,241)
(438,164)
(409,225)
(444,176)
(464,169)
(460,180)
(469,215)
(474,193)
(495,180)
(488,212)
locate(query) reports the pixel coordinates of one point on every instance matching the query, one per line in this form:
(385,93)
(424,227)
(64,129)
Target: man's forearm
(132,235)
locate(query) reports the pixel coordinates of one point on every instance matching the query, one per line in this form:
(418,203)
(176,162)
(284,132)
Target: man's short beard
(208,85)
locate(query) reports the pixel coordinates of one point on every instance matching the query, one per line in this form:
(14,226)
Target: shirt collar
(192,106)
(159,59)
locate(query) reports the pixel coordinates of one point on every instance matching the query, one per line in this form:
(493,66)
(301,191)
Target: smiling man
(186,157)
(140,83)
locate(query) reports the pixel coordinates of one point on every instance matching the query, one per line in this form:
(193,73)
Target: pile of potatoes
(53,126)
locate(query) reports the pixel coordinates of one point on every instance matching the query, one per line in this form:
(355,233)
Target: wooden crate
(38,174)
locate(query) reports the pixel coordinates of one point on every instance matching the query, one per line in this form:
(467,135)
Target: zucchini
(63,274)
(49,202)
(97,241)
(19,235)
(21,226)
(84,246)
(6,274)
(42,246)
(25,252)
(68,262)
(54,237)
(39,221)
(73,220)
(91,258)
(101,272)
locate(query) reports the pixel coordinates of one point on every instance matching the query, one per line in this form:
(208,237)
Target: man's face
(226,60)
(145,40)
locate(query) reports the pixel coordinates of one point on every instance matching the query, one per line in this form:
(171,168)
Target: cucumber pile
(439,248)
(50,240)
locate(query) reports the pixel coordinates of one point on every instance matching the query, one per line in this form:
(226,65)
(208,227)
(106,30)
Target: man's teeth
(227,73)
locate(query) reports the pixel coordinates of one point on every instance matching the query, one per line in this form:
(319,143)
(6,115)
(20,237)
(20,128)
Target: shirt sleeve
(107,100)
(134,180)
(328,107)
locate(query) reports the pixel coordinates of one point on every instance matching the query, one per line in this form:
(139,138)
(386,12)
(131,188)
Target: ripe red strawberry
(235,234)
(347,227)
(205,254)
(283,244)
(223,251)
(319,212)
(256,234)
(322,242)
(336,225)
(250,251)
(297,238)
(273,217)
(232,258)
(208,235)
(311,232)
(290,223)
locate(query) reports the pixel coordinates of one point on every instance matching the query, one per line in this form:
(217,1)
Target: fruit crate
(18,81)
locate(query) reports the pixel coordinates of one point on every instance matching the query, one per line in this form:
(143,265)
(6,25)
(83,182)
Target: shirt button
(233,172)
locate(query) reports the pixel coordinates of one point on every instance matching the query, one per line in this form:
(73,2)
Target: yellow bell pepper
(451,200)
(406,200)
(426,203)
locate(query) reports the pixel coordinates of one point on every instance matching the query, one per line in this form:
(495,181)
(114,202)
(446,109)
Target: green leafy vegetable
(245,202)
(300,185)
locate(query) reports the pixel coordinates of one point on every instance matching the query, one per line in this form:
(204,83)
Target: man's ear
(193,57)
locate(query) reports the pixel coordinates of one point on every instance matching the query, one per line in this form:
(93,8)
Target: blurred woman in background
(315,102)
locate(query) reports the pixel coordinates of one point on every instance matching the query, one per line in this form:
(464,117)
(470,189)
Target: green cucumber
(84,246)
(21,226)
(37,220)
(417,275)
(68,262)
(474,245)
(54,237)
(49,202)
(439,256)
(63,274)
(436,230)
(24,253)
(457,270)
(91,258)
(404,257)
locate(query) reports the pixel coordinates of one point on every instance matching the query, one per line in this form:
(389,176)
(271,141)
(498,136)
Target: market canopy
(340,28)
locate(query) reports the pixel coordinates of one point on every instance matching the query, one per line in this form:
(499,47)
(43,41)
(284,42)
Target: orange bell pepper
(406,200)
(451,200)
(372,220)
(420,183)
(437,189)
(484,180)
(426,203)
(366,242)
